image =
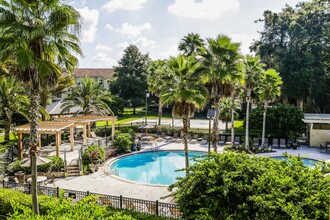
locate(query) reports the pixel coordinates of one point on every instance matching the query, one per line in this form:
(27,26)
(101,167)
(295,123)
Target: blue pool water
(153,167)
(307,162)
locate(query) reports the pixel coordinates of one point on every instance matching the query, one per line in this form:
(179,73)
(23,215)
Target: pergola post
(20,146)
(71,138)
(39,140)
(89,130)
(57,140)
(84,134)
(113,121)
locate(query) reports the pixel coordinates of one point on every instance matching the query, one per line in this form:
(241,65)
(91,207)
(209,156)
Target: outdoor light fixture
(146,118)
(210,115)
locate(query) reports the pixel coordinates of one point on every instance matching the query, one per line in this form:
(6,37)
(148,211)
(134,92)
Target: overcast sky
(156,26)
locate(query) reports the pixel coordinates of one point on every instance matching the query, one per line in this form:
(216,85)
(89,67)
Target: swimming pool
(153,167)
(307,161)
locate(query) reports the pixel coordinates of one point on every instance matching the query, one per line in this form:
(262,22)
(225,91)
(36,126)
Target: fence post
(157,208)
(29,188)
(121,201)
(57,192)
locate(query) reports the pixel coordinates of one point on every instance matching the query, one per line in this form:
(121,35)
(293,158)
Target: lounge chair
(105,201)
(194,139)
(175,212)
(165,137)
(229,140)
(237,140)
(282,143)
(222,140)
(129,205)
(205,139)
(256,142)
(266,144)
(275,143)
(176,138)
(151,208)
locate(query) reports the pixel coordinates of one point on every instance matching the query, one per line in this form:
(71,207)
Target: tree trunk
(8,122)
(34,112)
(172,121)
(248,99)
(215,128)
(160,112)
(264,125)
(43,103)
(226,125)
(232,119)
(134,110)
(185,141)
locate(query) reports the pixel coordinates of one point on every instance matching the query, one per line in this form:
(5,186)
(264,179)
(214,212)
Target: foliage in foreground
(236,186)
(17,205)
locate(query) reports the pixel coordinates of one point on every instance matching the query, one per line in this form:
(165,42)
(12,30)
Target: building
(318,128)
(101,75)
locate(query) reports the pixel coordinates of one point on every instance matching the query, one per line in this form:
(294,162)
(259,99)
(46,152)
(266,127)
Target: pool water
(153,167)
(307,162)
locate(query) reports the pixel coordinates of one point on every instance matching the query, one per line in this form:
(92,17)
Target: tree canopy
(296,43)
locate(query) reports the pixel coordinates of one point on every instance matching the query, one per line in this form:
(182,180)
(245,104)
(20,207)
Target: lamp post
(210,116)
(146,118)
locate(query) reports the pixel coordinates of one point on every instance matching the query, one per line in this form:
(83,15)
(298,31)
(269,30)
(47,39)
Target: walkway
(100,182)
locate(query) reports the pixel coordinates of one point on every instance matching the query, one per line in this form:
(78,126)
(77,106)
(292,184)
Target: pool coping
(113,160)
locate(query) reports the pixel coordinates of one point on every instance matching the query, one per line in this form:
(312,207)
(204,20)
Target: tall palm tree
(157,78)
(227,110)
(186,91)
(253,70)
(222,59)
(89,96)
(269,89)
(191,44)
(38,36)
(12,100)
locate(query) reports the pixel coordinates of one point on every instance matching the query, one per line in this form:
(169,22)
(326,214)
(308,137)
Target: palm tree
(227,110)
(269,89)
(49,92)
(190,44)
(253,69)
(186,91)
(157,78)
(38,37)
(12,100)
(90,97)
(221,58)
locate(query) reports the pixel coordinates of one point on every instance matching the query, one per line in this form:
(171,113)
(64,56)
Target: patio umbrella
(40,161)
(146,126)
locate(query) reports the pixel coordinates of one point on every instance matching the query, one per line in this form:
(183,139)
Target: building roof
(56,109)
(106,73)
(86,118)
(317,118)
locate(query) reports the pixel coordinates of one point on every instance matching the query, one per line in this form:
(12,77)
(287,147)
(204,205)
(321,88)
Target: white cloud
(171,51)
(103,48)
(245,40)
(123,45)
(129,5)
(108,27)
(144,42)
(133,31)
(89,26)
(104,59)
(202,9)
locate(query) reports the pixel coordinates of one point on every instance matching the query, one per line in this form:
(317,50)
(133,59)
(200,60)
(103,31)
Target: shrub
(236,186)
(281,118)
(123,143)
(93,154)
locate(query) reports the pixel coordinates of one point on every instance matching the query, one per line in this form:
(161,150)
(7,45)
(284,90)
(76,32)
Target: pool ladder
(113,171)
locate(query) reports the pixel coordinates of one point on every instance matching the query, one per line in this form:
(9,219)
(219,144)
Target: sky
(156,26)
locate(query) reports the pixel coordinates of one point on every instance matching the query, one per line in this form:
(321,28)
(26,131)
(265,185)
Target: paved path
(100,182)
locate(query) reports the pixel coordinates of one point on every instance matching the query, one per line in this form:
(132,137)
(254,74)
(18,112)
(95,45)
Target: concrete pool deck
(100,182)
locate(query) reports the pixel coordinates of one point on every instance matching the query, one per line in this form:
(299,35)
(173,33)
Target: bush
(93,154)
(236,186)
(123,143)
(281,118)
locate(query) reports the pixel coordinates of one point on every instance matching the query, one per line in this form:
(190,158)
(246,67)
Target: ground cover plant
(236,186)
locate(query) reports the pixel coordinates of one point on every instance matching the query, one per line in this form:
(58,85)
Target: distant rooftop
(317,118)
(106,73)
(56,109)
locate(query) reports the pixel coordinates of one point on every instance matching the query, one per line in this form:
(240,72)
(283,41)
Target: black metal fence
(118,202)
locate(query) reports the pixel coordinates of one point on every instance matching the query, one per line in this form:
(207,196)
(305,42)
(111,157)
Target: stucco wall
(318,137)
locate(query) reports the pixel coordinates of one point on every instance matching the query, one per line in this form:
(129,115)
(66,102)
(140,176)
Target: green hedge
(18,205)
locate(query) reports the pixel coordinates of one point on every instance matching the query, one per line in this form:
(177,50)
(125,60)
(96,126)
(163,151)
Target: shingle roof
(317,118)
(106,73)
(56,108)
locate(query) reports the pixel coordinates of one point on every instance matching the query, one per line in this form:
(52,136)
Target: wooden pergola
(46,127)
(86,120)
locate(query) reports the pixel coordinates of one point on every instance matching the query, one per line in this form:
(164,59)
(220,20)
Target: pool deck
(100,182)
